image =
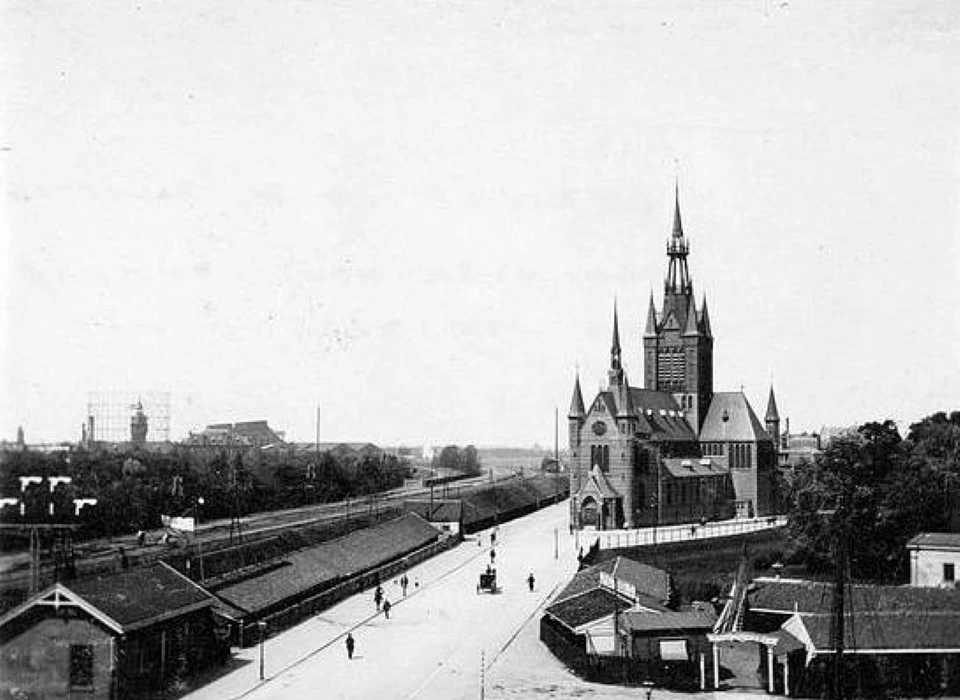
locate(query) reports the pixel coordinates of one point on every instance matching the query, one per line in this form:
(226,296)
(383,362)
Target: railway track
(89,555)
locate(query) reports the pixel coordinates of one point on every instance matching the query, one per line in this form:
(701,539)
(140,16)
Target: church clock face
(599,428)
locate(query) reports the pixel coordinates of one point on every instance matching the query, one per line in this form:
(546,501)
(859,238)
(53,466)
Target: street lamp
(196,532)
(648,687)
(262,626)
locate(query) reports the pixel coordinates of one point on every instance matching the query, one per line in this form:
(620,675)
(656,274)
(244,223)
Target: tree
(873,490)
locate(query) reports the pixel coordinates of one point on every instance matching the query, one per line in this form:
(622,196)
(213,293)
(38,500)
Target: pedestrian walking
(350,645)
(378,597)
(493,555)
(386,609)
(530,581)
(404,582)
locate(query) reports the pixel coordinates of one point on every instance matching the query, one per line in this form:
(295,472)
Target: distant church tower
(678,342)
(138,426)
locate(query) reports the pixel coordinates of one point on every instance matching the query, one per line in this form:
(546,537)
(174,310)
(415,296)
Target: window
(949,573)
(673,649)
(81,666)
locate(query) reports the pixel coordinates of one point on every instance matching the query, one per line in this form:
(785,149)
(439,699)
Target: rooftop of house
(587,606)
(700,618)
(128,600)
(935,540)
(786,596)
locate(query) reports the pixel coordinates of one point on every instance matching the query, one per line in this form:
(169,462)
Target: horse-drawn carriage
(488,581)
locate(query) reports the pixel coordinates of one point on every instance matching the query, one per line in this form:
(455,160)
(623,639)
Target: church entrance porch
(602,514)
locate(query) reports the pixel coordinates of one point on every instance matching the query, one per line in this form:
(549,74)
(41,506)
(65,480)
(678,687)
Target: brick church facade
(675,450)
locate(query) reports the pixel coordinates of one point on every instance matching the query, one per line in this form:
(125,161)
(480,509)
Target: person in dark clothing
(530,581)
(350,645)
(386,609)
(493,555)
(404,582)
(378,597)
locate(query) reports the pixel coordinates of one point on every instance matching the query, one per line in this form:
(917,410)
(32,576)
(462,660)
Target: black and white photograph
(479,349)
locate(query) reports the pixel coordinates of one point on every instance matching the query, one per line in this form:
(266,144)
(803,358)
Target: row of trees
(452,457)
(133,490)
(872,491)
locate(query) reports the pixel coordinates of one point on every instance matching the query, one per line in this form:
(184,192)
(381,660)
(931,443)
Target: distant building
(675,450)
(110,636)
(138,426)
(935,559)
(255,433)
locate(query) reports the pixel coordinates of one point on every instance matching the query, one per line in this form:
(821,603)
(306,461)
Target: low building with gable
(112,636)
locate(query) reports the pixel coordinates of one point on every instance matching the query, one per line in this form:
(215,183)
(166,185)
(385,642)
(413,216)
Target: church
(674,451)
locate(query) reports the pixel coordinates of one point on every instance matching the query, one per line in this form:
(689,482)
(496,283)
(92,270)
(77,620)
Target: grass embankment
(705,569)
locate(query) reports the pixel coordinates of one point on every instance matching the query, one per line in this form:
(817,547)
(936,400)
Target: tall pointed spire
(705,319)
(615,373)
(615,346)
(691,327)
(625,404)
(772,413)
(677,224)
(577,409)
(651,329)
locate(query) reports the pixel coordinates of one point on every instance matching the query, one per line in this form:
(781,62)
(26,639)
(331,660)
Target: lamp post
(196,528)
(262,626)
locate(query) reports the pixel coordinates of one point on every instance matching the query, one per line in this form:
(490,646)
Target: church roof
(731,419)
(651,329)
(659,415)
(705,319)
(680,467)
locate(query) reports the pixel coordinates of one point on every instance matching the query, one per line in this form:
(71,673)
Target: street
(432,644)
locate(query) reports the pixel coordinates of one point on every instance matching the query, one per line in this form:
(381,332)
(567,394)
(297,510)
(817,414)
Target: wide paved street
(432,644)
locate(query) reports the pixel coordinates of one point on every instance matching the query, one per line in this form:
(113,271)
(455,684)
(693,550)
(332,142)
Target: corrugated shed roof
(732,419)
(310,568)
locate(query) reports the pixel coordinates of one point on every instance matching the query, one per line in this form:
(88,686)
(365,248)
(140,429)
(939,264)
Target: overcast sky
(418,213)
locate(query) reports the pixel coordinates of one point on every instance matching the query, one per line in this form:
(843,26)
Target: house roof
(901,630)
(128,600)
(741,424)
(814,597)
(696,466)
(935,540)
(587,606)
(694,619)
(652,584)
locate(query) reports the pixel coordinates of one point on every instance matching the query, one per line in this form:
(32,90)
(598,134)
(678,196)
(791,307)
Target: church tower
(678,342)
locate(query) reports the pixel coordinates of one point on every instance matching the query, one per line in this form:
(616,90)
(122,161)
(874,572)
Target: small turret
(615,373)
(772,419)
(577,410)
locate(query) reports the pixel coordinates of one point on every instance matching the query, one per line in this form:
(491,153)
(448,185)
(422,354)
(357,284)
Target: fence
(644,537)
(296,612)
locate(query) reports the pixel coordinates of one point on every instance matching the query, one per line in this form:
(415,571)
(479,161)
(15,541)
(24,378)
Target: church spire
(615,346)
(576,403)
(677,223)
(691,327)
(615,374)
(772,413)
(678,276)
(705,319)
(651,329)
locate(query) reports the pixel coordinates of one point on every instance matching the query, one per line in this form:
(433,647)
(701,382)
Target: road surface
(432,644)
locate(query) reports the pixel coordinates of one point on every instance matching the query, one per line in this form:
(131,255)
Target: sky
(418,214)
